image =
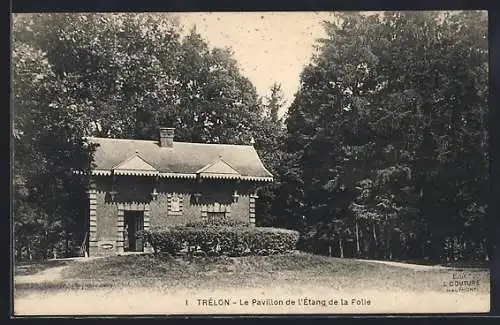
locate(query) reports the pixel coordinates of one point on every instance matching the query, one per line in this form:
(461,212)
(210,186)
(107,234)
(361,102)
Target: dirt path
(50,274)
(409,266)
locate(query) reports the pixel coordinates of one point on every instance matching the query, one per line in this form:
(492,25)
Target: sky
(269,46)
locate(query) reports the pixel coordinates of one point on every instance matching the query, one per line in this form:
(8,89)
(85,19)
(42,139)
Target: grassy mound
(291,270)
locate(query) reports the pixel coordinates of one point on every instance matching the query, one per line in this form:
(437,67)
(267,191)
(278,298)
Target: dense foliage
(221,240)
(109,75)
(388,138)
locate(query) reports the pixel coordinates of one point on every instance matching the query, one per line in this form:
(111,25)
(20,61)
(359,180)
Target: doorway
(134,222)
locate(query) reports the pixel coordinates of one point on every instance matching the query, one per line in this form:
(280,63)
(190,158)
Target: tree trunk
(456,247)
(387,246)
(388,253)
(358,250)
(486,257)
(437,243)
(341,247)
(375,241)
(365,240)
(68,250)
(24,250)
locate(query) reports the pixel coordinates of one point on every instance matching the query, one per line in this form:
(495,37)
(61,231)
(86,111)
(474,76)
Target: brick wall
(135,193)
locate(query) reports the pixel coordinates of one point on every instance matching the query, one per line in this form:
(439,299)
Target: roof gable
(134,165)
(218,167)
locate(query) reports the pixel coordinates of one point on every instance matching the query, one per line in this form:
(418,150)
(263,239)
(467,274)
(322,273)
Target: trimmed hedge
(215,241)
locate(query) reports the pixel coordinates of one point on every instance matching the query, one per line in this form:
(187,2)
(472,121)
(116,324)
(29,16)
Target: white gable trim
(133,172)
(177,175)
(128,165)
(220,176)
(257,178)
(231,170)
(100,172)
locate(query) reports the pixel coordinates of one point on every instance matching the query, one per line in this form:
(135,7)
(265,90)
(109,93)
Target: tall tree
(270,145)
(274,103)
(218,104)
(396,100)
(48,144)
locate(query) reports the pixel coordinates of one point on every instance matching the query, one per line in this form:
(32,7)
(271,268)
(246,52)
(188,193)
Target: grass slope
(31,268)
(299,269)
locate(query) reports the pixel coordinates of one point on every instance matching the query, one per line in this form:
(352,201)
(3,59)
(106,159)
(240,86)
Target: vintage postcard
(250,163)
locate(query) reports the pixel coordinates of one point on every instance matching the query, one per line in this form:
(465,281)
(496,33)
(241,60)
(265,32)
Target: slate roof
(183,159)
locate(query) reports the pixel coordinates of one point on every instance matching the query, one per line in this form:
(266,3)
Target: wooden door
(139,225)
(134,222)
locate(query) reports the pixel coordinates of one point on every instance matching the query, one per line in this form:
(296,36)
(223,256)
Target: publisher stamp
(463,281)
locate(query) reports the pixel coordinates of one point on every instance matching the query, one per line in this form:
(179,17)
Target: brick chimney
(167,137)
